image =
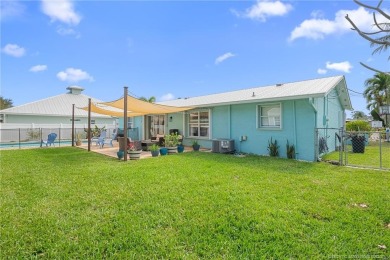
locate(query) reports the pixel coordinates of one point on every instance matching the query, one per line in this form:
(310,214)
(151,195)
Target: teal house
(247,119)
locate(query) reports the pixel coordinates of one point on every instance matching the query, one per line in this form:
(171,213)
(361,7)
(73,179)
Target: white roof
(286,91)
(60,105)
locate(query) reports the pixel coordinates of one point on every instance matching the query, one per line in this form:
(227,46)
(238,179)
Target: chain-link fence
(361,149)
(33,137)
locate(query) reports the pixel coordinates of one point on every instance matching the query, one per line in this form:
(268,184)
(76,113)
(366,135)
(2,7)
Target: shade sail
(109,111)
(138,106)
(135,107)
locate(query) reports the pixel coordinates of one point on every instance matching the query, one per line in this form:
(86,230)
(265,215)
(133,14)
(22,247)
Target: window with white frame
(269,115)
(199,124)
(130,122)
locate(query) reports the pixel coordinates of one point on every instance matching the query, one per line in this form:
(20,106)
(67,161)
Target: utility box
(223,146)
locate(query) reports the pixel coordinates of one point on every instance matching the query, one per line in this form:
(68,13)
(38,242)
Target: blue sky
(172,49)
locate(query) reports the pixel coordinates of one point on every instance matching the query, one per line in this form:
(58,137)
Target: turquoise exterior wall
(235,121)
(299,121)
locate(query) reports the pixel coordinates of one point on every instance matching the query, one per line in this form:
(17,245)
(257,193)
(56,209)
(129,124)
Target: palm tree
(150,100)
(377,92)
(5,103)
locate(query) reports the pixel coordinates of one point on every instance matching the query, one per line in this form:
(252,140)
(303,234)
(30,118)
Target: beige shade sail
(135,107)
(109,111)
(138,106)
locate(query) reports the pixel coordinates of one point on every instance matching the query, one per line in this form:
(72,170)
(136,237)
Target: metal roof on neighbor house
(60,105)
(286,91)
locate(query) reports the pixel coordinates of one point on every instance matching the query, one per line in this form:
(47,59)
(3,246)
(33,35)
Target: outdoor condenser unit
(223,146)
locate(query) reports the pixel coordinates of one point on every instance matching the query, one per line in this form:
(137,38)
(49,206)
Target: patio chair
(102,140)
(50,139)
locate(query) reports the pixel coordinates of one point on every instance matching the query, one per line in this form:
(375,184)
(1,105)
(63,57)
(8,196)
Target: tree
(150,100)
(382,30)
(377,92)
(5,103)
(358,115)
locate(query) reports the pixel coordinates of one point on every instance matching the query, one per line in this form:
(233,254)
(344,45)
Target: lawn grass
(68,203)
(370,158)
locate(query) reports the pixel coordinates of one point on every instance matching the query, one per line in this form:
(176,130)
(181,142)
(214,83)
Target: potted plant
(180,148)
(78,139)
(171,142)
(155,150)
(195,145)
(134,154)
(163,151)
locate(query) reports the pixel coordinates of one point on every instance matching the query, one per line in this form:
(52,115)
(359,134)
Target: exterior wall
(330,118)
(235,121)
(297,127)
(176,122)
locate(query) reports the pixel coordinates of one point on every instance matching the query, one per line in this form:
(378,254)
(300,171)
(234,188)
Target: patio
(111,151)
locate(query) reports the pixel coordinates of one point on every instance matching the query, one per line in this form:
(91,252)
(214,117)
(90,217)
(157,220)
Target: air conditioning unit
(223,146)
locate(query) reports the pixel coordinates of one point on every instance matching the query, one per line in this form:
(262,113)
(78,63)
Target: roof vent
(75,90)
(253,94)
(279,84)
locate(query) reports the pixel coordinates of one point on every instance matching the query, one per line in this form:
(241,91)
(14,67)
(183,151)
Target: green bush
(358,125)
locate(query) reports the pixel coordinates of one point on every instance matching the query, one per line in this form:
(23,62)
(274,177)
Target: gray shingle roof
(295,90)
(60,105)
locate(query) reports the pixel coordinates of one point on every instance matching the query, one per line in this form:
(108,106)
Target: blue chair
(50,139)
(102,140)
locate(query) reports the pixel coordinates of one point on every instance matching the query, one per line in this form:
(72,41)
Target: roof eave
(261,100)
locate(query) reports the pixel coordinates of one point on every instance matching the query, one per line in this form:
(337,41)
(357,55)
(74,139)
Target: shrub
(273,148)
(290,151)
(358,125)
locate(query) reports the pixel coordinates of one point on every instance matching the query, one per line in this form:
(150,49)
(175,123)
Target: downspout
(229,122)
(315,127)
(295,131)
(184,124)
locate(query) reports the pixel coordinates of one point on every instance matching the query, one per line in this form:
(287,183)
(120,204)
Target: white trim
(258,121)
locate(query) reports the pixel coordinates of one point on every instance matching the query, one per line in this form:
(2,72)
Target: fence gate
(360,149)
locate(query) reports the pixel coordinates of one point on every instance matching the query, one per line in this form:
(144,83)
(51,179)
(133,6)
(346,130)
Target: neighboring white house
(56,110)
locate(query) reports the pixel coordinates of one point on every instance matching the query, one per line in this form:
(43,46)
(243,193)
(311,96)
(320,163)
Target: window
(130,123)
(199,124)
(269,116)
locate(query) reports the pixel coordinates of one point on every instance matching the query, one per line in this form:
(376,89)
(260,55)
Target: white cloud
(166,97)
(344,66)
(67,31)
(322,71)
(62,11)
(317,27)
(73,75)
(224,57)
(264,9)
(38,68)
(14,50)
(10,9)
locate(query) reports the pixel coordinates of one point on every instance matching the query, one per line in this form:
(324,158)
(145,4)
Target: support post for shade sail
(89,125)
(125,122)
(72,124)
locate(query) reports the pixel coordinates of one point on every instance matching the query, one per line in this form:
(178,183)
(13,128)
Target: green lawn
(370,158)
(67,203)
